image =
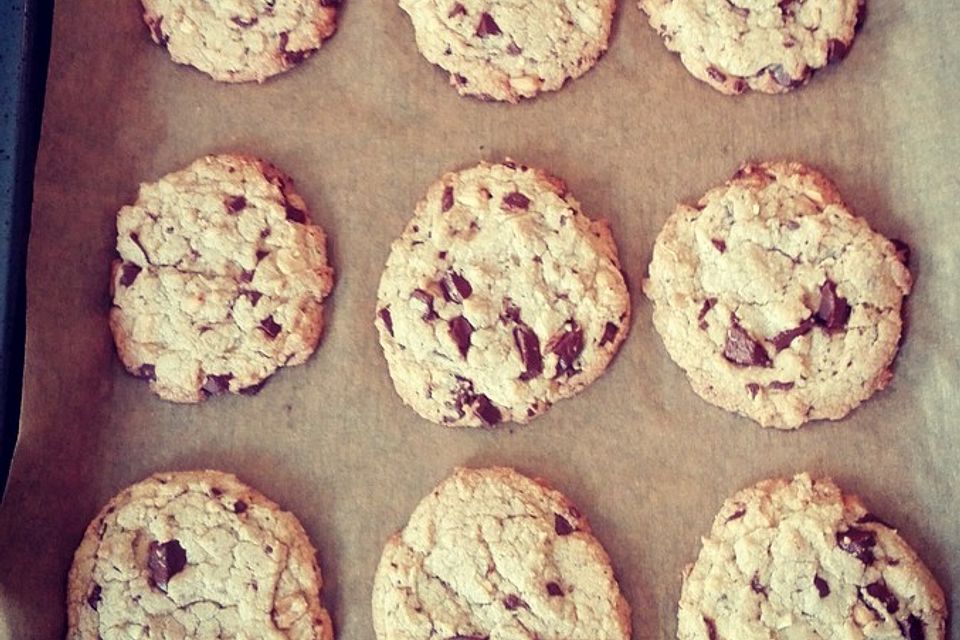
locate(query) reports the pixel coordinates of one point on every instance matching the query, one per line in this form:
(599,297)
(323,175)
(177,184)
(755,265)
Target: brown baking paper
(364,127)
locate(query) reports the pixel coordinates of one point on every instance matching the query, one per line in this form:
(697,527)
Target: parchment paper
(364,127)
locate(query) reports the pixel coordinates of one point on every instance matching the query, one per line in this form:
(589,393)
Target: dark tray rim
(24,53)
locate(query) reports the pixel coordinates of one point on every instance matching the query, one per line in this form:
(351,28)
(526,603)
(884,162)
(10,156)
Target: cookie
(240,41)
(777,301)
(199,555)
(220,279)
(493,554)
(799,559)
(771,46)
(498,50)
(499,298)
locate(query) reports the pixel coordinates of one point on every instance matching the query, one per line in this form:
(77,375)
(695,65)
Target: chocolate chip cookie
(195,555)
(220,279)
(240,41)
(776,300)
(499,298)
(771,46)
(493,554)
(799,559)
(497,50)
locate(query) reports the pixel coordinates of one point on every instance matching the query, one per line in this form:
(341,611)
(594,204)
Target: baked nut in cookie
(240,40)
(195,555)
(777,301)
(220,280)
(493,554)
(499,298)
(771,46)
(799,559)
(499,50)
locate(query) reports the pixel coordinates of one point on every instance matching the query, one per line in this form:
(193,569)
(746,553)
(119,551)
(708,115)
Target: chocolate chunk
(516,201)
(568,347)
(455,287)
(246,23)
(858,542)
(147,372)
(487,411)
(384,314)
(429,314)
(822,587)
(94,597)
(903,251)
(739,513)
(528,344)
(460,331)
(704,310)
(757,586)
(834,311)
(780,386)
(296,215)
(156,31)
(753,388)
(261,254)
(235,204)
(253,389)
(446,203)
(782,78)
(711,628)
(487,26)
(253,296)
(129,273)
(913,629)
(457,10)
(291,58)
(719,244)
(609,333)
(561,525)
(554,589)
(216,384)
(246,276)
(783,339)
(881,592)
(270,327)
(165,561)
(512,602)
(836,51)
(741,349)
(740,85)
(239,506)
(514,50)
(716,74)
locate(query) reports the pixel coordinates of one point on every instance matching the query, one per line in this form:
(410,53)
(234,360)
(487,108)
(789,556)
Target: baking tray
(364,127)
(24,49)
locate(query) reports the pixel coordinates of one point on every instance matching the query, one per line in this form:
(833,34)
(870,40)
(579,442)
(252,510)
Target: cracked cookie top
(771,46)
(777,301)
(195,555)
(507,50)
(492,554)
(240,40)
(499,298)
(220,279)
(798,559)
